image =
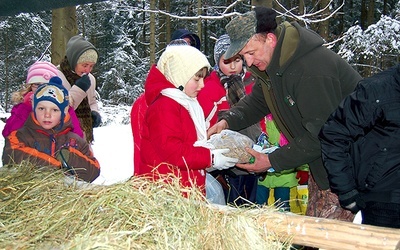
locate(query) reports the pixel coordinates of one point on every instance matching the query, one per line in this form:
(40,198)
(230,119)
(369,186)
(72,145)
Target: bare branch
(306,18)
(314,17)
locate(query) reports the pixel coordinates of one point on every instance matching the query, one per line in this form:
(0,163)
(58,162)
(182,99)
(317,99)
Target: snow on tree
(377,44)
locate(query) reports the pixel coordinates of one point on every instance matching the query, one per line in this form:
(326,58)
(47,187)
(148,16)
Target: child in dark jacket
(38,73)
(46,138)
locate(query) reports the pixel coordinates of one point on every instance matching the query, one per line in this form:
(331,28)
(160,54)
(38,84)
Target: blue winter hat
(54,92)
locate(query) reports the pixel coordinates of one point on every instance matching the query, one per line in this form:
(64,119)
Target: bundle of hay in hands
(39,211)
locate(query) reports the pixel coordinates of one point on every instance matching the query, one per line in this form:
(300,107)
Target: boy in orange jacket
(46,138)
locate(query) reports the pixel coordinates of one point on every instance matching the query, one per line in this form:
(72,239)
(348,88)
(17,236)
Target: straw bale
(38,210)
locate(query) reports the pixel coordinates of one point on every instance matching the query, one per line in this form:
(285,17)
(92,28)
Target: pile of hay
(38,210)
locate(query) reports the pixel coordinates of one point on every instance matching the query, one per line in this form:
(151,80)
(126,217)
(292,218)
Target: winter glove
(83,82)
(221,161)
(351,201)
(302,176)
(235,88)
(63,157)
(96,118)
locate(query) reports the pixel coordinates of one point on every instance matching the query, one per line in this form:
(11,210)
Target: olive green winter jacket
(301,87)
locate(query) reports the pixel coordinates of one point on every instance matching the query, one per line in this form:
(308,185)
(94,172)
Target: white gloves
(221,161)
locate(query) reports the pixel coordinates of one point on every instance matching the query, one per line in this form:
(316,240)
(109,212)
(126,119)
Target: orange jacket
(40,146)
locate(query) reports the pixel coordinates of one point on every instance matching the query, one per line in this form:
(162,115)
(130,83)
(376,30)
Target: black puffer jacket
(361,140)
(301,87)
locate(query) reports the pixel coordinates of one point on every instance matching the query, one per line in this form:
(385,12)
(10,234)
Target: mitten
(302,176)
(63,157)
(83,82)
(221,161)
(235,89)
(351,201)
(96,118)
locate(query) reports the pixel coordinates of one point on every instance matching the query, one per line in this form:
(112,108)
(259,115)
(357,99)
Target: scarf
(194,108)
(235,90)
(83,111)
(234,87)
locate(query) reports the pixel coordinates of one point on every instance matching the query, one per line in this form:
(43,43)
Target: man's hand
(218,127)
(351,201)
(261,162)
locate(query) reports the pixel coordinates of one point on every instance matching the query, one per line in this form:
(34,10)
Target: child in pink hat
(38,73)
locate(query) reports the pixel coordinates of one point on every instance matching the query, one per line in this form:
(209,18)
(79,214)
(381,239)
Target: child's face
(232,66)
(194,85)
(84,68)
(34,86)
(47,114)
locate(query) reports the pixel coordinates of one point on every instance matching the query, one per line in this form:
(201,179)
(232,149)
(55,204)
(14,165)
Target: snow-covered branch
(314,17)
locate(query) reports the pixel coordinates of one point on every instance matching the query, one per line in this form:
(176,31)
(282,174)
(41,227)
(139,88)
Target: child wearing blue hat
(46,138)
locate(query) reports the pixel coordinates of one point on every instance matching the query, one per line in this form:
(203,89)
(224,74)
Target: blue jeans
(281,195)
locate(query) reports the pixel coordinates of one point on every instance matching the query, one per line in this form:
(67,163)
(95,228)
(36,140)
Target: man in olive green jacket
(300,82)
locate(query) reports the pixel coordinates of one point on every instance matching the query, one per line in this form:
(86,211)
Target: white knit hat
(179,63)
(89,55)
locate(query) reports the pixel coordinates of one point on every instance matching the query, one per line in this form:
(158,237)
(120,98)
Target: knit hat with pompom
(53,92)
(41,72)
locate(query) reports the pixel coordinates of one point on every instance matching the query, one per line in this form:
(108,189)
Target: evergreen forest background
(131,35)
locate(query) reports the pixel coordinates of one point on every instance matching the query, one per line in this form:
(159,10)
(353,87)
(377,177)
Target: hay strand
(38,210)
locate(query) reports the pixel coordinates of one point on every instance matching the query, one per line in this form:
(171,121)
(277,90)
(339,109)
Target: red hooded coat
(168,136)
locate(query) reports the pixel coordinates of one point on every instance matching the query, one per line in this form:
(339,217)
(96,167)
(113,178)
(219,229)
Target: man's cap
(240,30)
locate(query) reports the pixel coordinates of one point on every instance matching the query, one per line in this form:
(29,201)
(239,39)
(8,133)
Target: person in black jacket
(360,145)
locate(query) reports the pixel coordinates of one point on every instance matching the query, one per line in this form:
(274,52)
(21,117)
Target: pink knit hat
(41,72)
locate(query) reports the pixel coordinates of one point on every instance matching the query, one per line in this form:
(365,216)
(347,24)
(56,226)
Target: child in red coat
(173,137)
(224,88)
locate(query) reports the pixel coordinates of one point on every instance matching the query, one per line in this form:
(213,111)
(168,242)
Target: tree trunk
(168,21)
(199,26)
(152,33)
(331,234)
(364,13)
(265,3)
(324,233)
(386,8)
(62,29)
(301,7)
(371,12)
(6,64)
(162,38)
(324,27)
(144,35)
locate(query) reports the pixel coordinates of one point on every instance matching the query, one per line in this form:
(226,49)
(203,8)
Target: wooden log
(329,233)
